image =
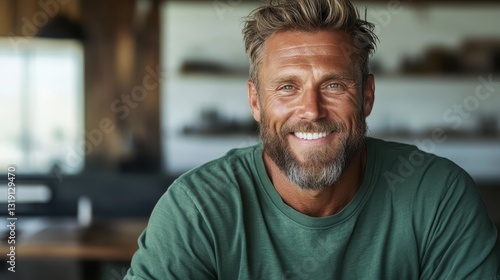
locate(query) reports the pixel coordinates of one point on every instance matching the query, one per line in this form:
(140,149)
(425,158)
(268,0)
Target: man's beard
(322,166)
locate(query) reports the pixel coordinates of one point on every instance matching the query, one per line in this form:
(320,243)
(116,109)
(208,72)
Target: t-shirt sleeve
(176,243)
(462,241)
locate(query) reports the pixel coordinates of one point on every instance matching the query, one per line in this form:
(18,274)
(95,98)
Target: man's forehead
(321,43)
(308,49)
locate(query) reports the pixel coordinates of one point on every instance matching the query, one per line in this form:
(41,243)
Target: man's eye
(335,86)
(287,87)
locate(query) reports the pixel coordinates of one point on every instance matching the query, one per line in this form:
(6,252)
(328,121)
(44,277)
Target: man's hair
(310,16)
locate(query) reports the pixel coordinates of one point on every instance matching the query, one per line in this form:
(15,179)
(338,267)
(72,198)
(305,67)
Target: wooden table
(111,240)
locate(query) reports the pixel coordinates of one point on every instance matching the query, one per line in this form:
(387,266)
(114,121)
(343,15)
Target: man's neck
(319,203)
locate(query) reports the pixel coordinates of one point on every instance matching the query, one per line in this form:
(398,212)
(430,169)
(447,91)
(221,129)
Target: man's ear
(368,95)
(253,100)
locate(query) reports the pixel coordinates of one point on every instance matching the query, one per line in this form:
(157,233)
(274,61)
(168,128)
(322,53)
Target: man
(317,199)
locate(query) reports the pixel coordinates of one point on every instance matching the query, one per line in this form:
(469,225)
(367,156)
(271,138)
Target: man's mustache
(319,126)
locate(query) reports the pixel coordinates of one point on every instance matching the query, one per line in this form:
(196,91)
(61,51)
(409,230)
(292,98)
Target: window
(41,105)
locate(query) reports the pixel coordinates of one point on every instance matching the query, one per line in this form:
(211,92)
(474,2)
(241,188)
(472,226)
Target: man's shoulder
(222,172)
(398,153)
(214,190)
(403,166)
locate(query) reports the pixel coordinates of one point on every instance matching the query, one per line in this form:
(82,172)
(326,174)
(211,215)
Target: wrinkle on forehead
(298,53)
(308,55)
(307,49)
(332,44)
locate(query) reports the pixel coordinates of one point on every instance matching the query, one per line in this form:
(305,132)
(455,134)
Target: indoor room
(104,104)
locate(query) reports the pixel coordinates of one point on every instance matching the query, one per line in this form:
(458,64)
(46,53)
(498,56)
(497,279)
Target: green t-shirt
(416,216)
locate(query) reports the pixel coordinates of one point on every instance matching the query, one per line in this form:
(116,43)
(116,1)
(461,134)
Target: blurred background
(104,103)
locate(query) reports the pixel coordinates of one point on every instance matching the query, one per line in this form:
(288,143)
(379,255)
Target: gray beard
(314,177)
(322,168)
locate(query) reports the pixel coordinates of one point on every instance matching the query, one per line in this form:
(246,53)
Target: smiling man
(317,199)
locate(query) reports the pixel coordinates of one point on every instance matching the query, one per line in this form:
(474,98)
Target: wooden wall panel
(118,53)
(6,17)
(72,10)
(26,17)
(25,11)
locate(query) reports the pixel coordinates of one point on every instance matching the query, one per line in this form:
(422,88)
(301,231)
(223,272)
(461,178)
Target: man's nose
(311,105)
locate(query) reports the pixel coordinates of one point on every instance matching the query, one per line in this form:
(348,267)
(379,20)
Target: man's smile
(311,135)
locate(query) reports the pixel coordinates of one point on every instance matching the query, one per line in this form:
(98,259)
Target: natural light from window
(41,105)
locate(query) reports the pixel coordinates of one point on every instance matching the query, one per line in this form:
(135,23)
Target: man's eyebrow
(341,75)
(287,78)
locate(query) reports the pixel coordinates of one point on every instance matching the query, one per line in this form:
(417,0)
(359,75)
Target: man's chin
(314,156)
(313,179)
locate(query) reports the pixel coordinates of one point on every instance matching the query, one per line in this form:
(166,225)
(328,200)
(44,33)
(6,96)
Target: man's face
(311,105)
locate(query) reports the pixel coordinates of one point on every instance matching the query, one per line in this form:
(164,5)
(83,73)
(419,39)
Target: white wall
(406,30)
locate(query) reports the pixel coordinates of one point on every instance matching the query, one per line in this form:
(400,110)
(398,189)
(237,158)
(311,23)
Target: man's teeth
(311,136)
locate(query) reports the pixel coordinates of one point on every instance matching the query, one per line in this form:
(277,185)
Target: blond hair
(311,16)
